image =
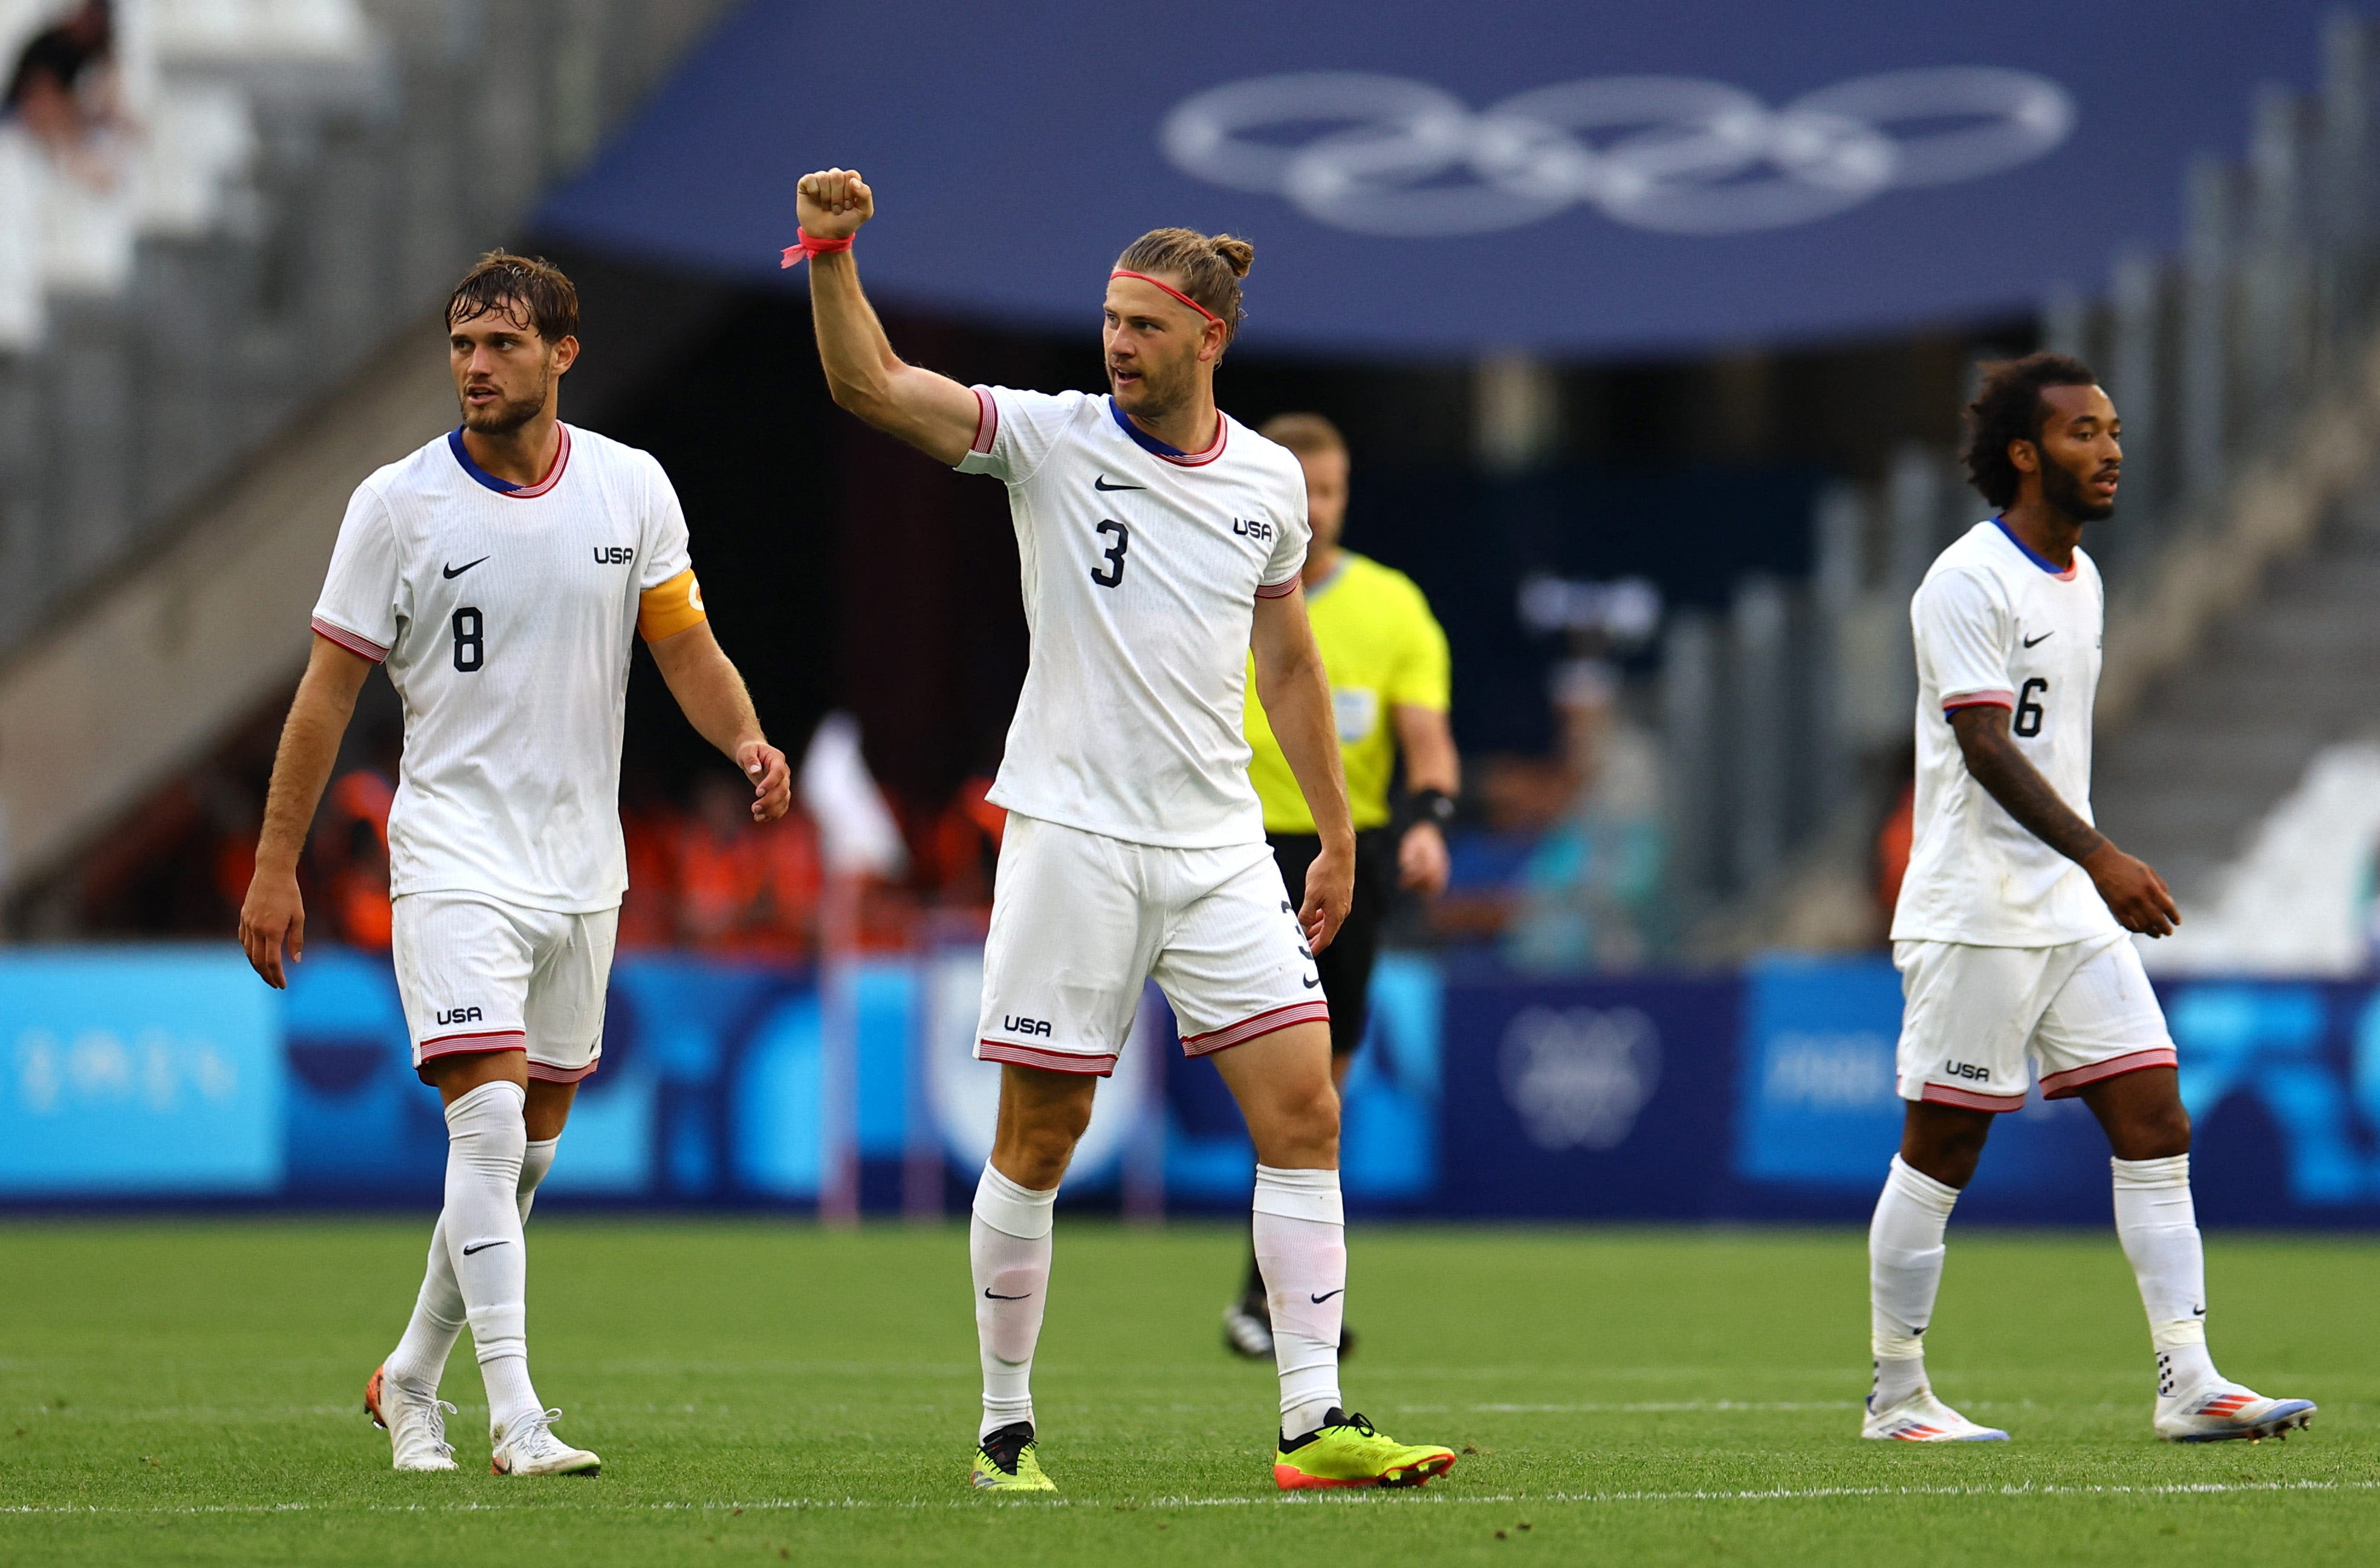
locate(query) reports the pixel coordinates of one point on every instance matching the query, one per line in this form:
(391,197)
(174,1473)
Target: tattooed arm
(2133,891)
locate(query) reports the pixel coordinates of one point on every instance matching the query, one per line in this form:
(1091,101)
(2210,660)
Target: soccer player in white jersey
(499,574)
(2009,931)
(1160,542)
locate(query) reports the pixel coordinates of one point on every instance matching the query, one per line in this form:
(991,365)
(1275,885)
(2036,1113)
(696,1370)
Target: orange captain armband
(671,608)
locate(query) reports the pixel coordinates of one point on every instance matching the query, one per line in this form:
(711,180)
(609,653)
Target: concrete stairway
(2222,736)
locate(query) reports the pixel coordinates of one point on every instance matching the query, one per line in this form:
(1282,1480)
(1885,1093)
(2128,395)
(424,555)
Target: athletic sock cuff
(536,1158)
(486,1095)
(1299,1195)
(2173,1171)
(2187,1331)
(1920,1188)
(1012,1209)
(1896,1347)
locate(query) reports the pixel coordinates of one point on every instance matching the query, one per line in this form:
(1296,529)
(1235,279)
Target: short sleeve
(671,601)
(1961,630)
(666,555)
(1422,677)
(1015,431)
(1290,541)
(363,600)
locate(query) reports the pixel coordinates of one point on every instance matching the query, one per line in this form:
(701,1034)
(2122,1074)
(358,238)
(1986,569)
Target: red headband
(810,246)
(1122,273)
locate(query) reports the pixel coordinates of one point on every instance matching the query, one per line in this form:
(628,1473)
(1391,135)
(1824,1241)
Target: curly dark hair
(2009,408)
(529,290)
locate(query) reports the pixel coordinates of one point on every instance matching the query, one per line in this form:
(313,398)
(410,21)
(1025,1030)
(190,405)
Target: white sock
(1008,1252)
(1301,1238)
(1904,1274)
(2158,1223)
(486,1142)
(419,1359)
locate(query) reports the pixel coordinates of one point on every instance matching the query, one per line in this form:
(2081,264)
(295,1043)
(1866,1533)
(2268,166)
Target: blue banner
(1588,1099)
(170,1074)
(155,1073)
(1639,174)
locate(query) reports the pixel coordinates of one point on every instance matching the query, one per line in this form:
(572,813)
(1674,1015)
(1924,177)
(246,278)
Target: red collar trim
(1166,451)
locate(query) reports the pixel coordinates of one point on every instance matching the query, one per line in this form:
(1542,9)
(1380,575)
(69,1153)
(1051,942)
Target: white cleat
(416,1427)
(2219,1410)
(1923,1418)
(531,1449)
(1246,1335)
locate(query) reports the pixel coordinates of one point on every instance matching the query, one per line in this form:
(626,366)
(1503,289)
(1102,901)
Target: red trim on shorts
(439,1046)
(546,1074)
(2066,1085)
(987,420)
(1047,1060)
(362,647)
(1270,1021)
(1277,590)
(1968,1100)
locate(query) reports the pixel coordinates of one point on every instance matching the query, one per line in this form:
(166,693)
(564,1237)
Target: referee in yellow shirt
(1386,657)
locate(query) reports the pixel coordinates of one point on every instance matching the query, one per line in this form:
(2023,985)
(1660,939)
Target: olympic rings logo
(1390,155)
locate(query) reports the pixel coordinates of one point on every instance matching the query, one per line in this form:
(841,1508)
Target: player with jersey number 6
(499,574)
(2010,933)
(1160,542)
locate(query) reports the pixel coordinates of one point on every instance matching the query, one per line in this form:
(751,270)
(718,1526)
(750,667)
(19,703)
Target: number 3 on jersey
(1113,574)
(470,640)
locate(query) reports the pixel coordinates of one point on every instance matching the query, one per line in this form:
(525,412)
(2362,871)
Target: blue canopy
(1636,175)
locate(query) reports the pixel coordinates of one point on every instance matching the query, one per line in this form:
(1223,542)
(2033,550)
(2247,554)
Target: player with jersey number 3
(2009,931)
(499,574)
(1160,542)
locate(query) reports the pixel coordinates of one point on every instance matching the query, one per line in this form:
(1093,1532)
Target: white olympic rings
(1389,155)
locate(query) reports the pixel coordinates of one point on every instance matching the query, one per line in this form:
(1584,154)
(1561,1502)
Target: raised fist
(833,204)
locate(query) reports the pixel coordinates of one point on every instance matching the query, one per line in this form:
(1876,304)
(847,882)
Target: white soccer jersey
(1998,625)
(1142,565)
(504,616)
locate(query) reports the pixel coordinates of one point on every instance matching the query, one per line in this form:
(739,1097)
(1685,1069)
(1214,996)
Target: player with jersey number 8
(1162,542)
(2010,931)
(499,574)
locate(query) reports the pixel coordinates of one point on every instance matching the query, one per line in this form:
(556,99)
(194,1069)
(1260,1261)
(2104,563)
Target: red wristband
(795,255)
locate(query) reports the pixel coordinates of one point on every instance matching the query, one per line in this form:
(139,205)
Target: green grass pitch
(187,1391)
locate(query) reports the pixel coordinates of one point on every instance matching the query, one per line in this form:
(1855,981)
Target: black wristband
(1433,806)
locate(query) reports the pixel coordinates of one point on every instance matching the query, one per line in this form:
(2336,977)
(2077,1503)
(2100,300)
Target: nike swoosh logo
(992,1294)
(1326,1295)
(2198,1312)
(1312,983)
(458,571)
(2043,637)
(482,1246)
(1101,483)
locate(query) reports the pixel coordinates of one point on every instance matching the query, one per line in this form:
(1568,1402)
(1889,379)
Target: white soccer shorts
(2082,1011)
(1080,920)
(477,974)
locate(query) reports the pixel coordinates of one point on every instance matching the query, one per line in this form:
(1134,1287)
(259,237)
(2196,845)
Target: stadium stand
(2240,569)
(195,357)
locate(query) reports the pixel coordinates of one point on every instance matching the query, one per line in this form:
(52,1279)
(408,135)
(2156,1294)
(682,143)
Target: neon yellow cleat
(1004,1463)
(1346,1451)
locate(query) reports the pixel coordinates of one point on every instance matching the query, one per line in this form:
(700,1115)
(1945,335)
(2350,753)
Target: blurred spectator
(63,90)
(1592,890)
(1893,842)
(351,858)
(743,887)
